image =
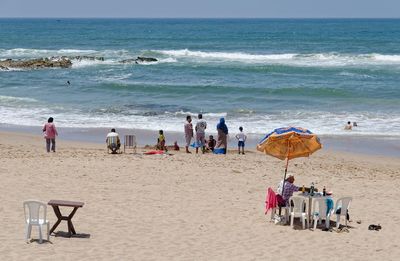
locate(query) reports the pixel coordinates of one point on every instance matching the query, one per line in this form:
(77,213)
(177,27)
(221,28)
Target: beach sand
(189,207)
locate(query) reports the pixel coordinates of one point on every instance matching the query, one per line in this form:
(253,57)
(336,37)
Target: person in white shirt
(200,128)
(241,137)
(113,141)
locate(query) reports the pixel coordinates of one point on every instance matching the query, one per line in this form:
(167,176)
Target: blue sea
(257,73)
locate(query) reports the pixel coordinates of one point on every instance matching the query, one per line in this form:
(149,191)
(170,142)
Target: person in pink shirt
(50,133)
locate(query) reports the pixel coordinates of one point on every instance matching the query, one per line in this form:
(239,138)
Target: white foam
(294,59)
(88,62)
(239,56)
(323,123)
(385,58)
(33,53)
(9,99)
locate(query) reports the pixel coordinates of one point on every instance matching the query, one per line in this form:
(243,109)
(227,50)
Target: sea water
(257,73)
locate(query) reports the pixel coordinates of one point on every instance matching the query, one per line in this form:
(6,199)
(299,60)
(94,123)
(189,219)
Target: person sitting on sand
(161,141)
(211,143)
(113,141)
(348,126)
(176,146)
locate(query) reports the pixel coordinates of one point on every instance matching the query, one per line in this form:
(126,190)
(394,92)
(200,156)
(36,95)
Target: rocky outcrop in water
(61,62)
(2,68)
(139,59)
(85,57)
(54,62)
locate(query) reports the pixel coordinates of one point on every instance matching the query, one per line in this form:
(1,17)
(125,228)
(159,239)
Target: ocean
(257,73)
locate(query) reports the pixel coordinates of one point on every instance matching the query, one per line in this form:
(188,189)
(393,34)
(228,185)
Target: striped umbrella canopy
(289,143)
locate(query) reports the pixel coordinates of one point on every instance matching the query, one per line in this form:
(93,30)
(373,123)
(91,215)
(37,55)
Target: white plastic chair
(319,212)
(35,215)
(297,210)
(343,204)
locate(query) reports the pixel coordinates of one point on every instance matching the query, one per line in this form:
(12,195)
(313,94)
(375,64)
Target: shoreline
(364,145)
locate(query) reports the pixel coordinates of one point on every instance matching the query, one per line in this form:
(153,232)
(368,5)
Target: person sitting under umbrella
(288,191)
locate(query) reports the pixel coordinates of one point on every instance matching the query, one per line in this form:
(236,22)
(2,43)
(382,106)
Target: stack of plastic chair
(297,209)
(35,215)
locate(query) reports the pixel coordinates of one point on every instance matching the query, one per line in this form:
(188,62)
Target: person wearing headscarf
(222,135)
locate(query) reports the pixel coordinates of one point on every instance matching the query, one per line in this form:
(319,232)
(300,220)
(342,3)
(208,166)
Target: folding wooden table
(56,204)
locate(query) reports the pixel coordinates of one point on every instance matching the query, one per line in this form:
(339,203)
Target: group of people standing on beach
(218,146)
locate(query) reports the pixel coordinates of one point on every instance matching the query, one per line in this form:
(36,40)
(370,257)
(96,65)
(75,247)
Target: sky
(202,8)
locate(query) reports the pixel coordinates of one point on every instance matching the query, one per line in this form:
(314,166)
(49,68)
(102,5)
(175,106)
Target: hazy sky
(200,8)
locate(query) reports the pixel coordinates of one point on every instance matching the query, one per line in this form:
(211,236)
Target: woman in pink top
(50,133)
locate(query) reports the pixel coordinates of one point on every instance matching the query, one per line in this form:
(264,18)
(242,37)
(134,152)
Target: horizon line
(110,17)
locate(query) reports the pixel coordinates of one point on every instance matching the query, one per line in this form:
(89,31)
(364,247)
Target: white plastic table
(310,201)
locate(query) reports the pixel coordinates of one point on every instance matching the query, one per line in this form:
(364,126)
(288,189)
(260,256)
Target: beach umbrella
(289,143)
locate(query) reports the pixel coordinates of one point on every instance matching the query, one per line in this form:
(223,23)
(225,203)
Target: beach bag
(195,145)
(219,151)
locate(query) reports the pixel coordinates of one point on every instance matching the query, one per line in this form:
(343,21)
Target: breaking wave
(293,59)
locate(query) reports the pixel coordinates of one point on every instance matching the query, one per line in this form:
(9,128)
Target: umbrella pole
(284,180)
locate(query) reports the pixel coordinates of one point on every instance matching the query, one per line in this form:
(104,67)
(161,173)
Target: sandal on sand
(374,227)
(342,230)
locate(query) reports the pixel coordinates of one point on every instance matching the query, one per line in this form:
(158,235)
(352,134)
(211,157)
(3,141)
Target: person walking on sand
(222,139)
(241,137)
(50,133)
(201,127)
(188,127)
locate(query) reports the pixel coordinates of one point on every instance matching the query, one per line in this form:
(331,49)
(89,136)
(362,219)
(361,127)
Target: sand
(189,207)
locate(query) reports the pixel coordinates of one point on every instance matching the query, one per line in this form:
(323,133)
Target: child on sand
(161,141)
(211,143)
(176,146)
(241,137)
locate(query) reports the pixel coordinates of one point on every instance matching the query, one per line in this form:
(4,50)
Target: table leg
(59,218)
(309,211)
(71,229)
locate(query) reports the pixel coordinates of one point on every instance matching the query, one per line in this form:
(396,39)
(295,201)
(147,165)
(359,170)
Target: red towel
(270,200)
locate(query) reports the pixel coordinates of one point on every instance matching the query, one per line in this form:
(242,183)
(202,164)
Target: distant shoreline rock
(54,62)
(139,59)
(60,62)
